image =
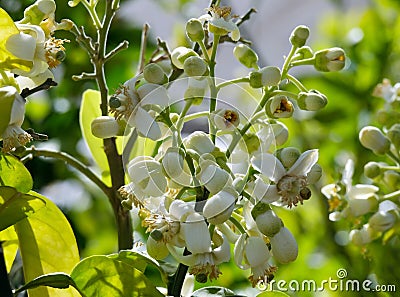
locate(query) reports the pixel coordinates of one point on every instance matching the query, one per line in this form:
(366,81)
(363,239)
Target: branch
(70,161)
(44,86)
(143,45)
(246,17)
(120,47)
(84,76)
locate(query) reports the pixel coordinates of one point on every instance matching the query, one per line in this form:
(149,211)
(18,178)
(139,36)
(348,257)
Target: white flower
(386,91)
(362,236)
(225,119)
(135,106)
(13,136)
(220,22)
(252,252)
(288,184)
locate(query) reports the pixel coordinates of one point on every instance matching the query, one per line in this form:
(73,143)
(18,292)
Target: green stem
(392,196)
(204,50)
(182,116)
(232,81)
(93,14)
(195,115)
(287,64)
(297,83)
(213,88)
(393,157)
(237,225)
(284,93)
(309,61)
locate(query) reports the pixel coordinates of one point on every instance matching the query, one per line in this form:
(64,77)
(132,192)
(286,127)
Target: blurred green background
(370,36)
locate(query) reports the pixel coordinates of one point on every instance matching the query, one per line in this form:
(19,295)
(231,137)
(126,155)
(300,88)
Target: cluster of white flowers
(29,51)
(372,209)
(197,197)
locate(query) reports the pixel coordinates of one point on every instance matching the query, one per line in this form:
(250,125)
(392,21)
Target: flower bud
(265,77)
(104,127)
(392,179)
(156,249)
(279,107)
(245,55)
(299,36)
(225,119)
(213,177)
(267,221)
(372,138)
(172,162)
(194,66)
(387,118)
(281,133)
(305,52)
(196,235)
(382,221)
(315,174)
(39,11)
(154,74)
(199,142)
(219,207)
(194,30)
(284,246)
(331,59)
(180,54)
(394,135)
(312,100)
(362,236)
(252,142)
(196,90)
(372,169)
(288,156)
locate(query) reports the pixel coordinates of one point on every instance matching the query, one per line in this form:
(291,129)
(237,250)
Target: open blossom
(386,91)
(134,105)
(220,22)
(358,199)
(13,135)
(290,186)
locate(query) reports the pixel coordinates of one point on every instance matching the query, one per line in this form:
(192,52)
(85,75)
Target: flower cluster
(373,209)
(200,192)
(30,52)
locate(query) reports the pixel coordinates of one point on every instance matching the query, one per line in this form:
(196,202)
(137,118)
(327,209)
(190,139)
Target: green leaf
(7,60)
(138,261)
(57,280)
(47,244)
(90,109)
(15,206)
(10,245)
(272,294)
(214,291)
(15,174)
(111,277)
(6,103)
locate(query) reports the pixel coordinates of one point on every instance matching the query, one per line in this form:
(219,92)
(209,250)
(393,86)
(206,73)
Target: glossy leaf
(111,277)
(8,60)
(213,291)
(15,174)
(10,245)
(57,280)
(47,244)
(15,206)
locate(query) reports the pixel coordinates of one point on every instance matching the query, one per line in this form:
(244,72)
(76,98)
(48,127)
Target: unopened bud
(213,176)
(194,30)
(382,220)
(265,77)
(105,127)
(312,100)
(372,138)
(299,36)
(372,169)
(196,90)
(219,207)
(279,107)
(154,74)
(329,60)
(267,221)
(288,156)
(194,66)
(180,54)
(281,133)
(245,55)
(362,236)
(199,142)
(173,161)
(394,135)
(392,179)
(284,246)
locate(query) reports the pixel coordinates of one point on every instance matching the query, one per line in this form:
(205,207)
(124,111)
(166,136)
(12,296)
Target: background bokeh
(369,31)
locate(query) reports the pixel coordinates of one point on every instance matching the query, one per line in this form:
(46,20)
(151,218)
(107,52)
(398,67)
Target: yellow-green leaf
(112,278)
(6,103)
(10,245)
(8,60)
(15,174)
(47,244)
(15,206)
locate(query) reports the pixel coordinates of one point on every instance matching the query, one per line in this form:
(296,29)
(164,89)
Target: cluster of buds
(30,52)
(201,192)
(372,208)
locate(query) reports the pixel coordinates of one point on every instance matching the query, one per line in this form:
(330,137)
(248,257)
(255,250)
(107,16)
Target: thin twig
(246,16)
(44,86)
(143,46)
(120,47)
(84,76)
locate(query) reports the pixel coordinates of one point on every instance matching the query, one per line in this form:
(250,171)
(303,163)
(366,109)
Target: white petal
(335,216)
(223,252)
(269,165)
(256,251)
(31,82)
(153,94)
(284,246)
(18,108)
(304,163)
(179,208)
(196,234)
(348,173)
(146,124)
(22,46)
(35,31)
(238,252)
(330,190)
(362,191)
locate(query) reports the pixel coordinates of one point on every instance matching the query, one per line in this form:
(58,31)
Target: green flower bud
(329,60)
(154,74)
(314,175)
(392,179)
(372,169)
(305,52)
(394,135)
(267,221)
(180,54)
(279,107)
(387,118)
(104,127)
(372,138)
(265,77)
(288,156)
(245,55)
(312,100)
(194,30)
(299,36)
(39,11)
(194,66)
